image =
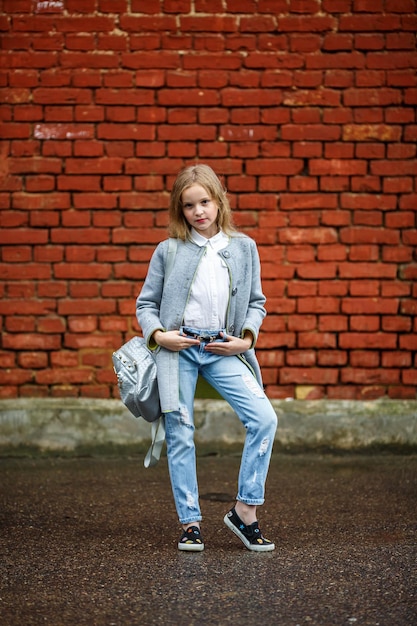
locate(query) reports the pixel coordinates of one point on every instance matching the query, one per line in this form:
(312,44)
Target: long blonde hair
(198,175)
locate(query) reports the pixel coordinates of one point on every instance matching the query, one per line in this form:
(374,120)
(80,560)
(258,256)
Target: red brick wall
(308,110)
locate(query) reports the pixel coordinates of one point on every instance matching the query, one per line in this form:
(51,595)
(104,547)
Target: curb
(70,425)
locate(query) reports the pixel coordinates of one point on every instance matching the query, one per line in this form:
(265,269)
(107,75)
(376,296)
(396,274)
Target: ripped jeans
(237,385)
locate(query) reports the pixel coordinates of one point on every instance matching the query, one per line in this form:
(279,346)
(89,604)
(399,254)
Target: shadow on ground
(93,541)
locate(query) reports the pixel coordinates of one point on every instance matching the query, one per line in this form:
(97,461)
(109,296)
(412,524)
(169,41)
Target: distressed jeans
(237,385)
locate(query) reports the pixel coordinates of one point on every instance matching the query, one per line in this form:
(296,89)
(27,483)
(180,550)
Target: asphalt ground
(94,541)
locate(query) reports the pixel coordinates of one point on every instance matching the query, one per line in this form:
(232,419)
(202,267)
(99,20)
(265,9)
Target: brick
(188,97)
(364,358)
(301,254)
(143,201)
(123,79)
(364,323)
(86,307)
(370,376)
(132,97)
(297,375)
(105,165)
(403,219)
(31,341)
(257,23)
(308,236)
(397,324)
(317,340)
(373,341)
(310,132)
(409,377)
(394,168)
(20,236)
(251,97)
(401,78)
(166,60)
(317,271)
(17,254)
(82,324)
(18,324)
(14,131)
(302,184)
(38,60)
(299,288)
(44,219)
(332,358)
(335,252)
(318,97)
(363,235)
(48,254)
(397,255)
(372,97)
(63,131)
(79,183)
(34,201)
(301,358)
(36,165)
(218,24)
(75,235)
(65,376)
(28,307)
(392,61)
(332,288)
(318,305)
(371,132)
(368,202)
(338,167)
(88,149)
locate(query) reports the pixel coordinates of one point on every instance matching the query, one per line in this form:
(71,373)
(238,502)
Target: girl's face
(200,210)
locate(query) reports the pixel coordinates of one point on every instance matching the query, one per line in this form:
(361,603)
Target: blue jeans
(237,385)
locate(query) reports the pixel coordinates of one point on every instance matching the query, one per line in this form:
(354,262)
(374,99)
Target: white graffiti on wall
(49,5)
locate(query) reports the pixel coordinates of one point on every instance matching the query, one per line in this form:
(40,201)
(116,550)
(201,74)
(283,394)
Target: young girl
(204,319)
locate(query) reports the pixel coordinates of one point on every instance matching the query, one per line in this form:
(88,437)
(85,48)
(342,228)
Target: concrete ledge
(68,425)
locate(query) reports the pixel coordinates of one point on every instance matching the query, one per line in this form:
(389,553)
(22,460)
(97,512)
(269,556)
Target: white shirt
(207,305)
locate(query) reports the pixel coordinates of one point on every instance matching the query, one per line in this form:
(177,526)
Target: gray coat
(161,304)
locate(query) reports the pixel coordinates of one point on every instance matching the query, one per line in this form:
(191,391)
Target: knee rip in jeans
(253,386)
(190,500)
(185,416)
(263,448)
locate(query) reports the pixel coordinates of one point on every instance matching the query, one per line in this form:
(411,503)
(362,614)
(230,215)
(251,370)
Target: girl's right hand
(172,340)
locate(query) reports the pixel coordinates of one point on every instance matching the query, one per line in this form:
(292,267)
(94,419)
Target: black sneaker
(250,535)
(191,540)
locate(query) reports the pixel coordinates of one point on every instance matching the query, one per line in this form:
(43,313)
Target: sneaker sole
(250,546)
(191,547)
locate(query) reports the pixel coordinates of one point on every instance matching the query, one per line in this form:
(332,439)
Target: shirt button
(234,291)
(226,254)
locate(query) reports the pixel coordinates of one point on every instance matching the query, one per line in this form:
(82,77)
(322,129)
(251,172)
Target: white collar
(201,241)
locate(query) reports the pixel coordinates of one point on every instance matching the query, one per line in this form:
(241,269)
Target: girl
(204,319)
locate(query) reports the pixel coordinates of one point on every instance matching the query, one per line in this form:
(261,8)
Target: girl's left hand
(231,345)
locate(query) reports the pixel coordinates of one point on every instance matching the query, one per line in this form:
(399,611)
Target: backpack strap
(158,426)
(158,437)
(172,251)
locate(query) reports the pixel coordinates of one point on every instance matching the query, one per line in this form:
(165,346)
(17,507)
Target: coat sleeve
(148,302)
(256,310)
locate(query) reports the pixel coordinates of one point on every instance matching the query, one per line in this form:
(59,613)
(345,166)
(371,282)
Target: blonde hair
(198,175)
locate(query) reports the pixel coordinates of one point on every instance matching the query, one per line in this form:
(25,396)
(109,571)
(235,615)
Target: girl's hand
(231,346)
(172,340)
